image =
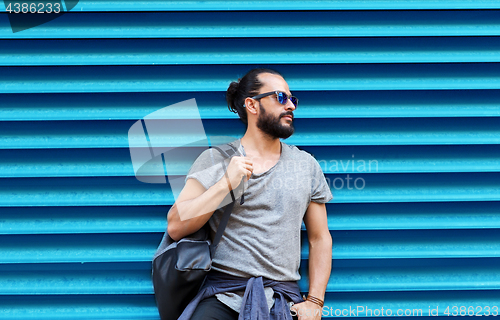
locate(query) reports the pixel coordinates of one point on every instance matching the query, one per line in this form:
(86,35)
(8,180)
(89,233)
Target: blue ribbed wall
(412,86)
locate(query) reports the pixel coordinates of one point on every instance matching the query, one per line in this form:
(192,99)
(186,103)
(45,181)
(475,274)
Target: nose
(289,105)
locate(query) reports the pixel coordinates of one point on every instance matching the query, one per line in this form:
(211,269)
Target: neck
(258,142)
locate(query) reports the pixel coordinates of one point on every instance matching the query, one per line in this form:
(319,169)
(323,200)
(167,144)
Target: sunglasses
(281,96)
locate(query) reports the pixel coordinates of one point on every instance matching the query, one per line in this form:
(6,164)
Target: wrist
(223,186)
(313,299)
(228,181)
(317,294)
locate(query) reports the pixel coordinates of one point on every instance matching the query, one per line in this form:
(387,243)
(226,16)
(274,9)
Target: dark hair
(245,87)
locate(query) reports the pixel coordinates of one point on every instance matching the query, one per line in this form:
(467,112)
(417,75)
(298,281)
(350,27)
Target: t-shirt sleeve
(207,168)
(320,190)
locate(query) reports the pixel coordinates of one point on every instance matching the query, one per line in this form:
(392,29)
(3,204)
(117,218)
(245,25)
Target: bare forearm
(188,216)
(320,264)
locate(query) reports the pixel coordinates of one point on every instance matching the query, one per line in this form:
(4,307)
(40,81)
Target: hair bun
(231,93)
(233,87)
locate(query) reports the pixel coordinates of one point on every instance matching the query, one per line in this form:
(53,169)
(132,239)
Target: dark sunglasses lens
(282,98)
(294,100)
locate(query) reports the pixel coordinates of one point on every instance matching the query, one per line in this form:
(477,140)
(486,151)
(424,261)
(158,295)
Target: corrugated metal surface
(409,88)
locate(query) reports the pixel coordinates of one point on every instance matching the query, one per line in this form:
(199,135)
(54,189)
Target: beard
(272,126)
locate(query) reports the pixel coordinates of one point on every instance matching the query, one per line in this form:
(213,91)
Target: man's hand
(238,168)
(306,310)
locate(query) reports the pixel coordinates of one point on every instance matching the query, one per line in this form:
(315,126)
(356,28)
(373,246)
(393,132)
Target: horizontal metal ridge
(102,162)
(320,132)
(413,244)
(410,275)
(316,77)
(127,307)
(77,248)
(143,306)
(416,215)
(207,24)
(347,276)
(83,220)
(86,191)
(341,216)
(366,305)
(414,158)
(76,279)
(212,105)
(223,51)
(346,188)
(422,187)
(276,5)
(140,247)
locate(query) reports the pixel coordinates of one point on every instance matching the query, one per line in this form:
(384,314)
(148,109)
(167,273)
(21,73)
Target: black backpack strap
(231,153)
(227,211)
(226,155)
(222,226)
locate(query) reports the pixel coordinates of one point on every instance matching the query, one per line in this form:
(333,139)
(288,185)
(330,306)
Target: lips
(288,117)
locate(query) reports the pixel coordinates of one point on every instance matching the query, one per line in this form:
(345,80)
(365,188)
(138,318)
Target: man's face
(275,119)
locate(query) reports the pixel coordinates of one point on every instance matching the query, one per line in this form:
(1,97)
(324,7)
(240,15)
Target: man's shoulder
(211,158)
(215,156)
(298,153)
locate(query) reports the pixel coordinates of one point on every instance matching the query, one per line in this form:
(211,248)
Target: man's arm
(320,249)
(195,204)
(320,260)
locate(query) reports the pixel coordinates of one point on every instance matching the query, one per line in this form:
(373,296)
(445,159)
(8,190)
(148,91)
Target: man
(283,187)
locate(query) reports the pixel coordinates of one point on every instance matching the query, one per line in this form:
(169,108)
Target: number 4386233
(33,8)
(471,311)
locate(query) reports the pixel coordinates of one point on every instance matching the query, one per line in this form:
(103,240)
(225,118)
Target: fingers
(243,160)
(248,175)
(249,168)
(246,164)
(239,167)
(247,161)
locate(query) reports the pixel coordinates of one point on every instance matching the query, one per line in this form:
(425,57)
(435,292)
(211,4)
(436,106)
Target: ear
(251,105)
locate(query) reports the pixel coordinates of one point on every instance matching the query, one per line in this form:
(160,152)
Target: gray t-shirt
(262,237)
